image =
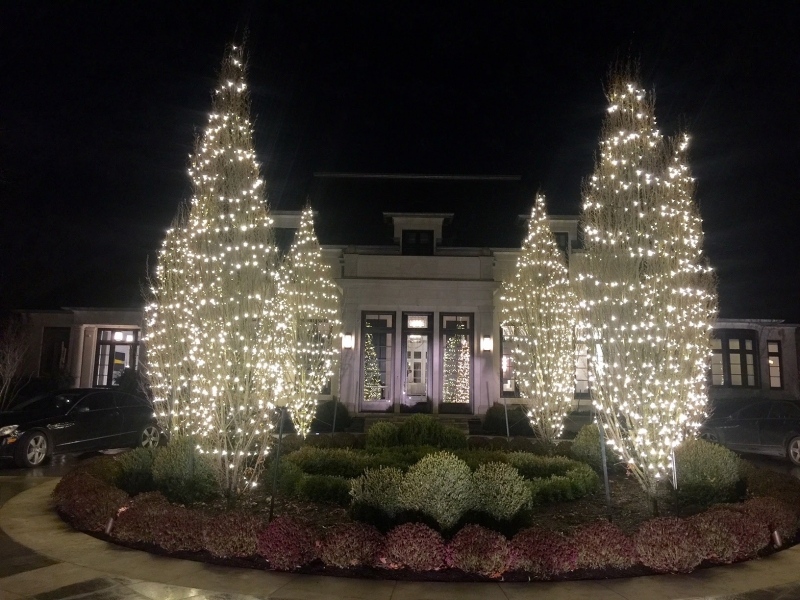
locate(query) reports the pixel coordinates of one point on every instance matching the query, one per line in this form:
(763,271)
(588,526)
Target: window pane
(775,361)
(716,378)
(736,367)
(418,322)
(733,344)
(716,344)
(775,382)
(751,380)
(377,365)
(772,347)
(748,358)
(748,344)
(457,369)
(456,322)
(736,379)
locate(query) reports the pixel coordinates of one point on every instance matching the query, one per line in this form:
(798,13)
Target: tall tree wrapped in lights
(541,307)
(648,298)
(214,278)
(306,324)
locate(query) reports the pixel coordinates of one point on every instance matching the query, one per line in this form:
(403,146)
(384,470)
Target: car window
(754,411)
(124,400)
(97,401)
(784,410)
(50,403)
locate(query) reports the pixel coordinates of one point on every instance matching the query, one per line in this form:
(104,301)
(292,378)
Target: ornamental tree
(214,278)
(539,310)
(648,298)
(306,323)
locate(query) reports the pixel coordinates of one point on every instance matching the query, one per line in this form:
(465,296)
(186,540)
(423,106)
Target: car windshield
(51,403)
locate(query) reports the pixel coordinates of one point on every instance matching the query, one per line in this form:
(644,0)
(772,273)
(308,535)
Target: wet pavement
(43,559)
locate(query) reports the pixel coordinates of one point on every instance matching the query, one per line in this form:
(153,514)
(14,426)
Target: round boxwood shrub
(575,483)
(500,491)
(602,545)
(289,477)
(729,535)
(184,475)
(232,534)
(382,434)
(323,418)
(452,438)
(325,489)
(287,544)
(669,545)
(707,472)
(378,488)
(415,546)
(440,486)
(542,553)
(476,549)
(420,430)
(351,545)
(339,462)
(136,470)
(586,448)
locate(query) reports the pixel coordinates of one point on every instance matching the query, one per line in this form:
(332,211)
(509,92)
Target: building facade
(421,330)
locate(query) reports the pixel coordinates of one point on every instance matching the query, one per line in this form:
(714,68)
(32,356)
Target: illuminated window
(116,351)
(581,369)
(377,342)
(457,352)
(733,358)
(775,371)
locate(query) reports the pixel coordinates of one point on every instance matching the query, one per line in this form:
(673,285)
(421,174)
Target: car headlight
(8,430)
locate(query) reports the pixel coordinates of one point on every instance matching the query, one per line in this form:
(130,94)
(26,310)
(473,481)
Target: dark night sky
(101,101)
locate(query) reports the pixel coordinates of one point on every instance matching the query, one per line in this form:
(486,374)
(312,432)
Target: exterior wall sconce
(348,341)
(486,343)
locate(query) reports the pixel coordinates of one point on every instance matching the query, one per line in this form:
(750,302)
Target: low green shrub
(476,458)
(452,438)
(287,544)
(184,475)
(323,418)
(415,546)
(707,472)
(669,545)
(542,553)
(382,434)
(326,489)
(534,466)
(378,488)
(602,545)
(494,421)
(575,483)
(476,549)
(524,444)
(339,462)
(232,534)
(500,491)
(440,486)
(105,468)
(477,442)
(586,448)
(420,430)
(499,444)
(400,457)
(136,470)
(351,545)
(289,478)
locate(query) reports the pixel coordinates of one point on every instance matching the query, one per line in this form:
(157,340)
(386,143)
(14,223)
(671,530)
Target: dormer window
(417,242)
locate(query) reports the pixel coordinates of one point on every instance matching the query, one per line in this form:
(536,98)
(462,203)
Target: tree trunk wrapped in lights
(648,298)
(306,325)
(214,278)
(541,308)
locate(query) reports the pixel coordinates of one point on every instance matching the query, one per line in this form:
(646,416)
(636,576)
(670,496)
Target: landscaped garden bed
(418,503)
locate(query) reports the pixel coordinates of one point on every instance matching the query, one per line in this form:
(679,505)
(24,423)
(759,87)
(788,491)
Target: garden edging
(29,519)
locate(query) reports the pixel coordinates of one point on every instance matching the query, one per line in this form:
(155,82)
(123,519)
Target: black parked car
(764,427)
(76,420)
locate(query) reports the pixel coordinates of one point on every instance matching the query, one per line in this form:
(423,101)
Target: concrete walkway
(58,563)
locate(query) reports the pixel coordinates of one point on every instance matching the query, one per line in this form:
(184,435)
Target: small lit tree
(373,386)
(648,297)
(214,277)
(538,303)
(457,361)
(306,324)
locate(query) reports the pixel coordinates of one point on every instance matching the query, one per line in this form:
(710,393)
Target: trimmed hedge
(707,472)
(351,545)
(415,546)
(476,549)
(379,489)
(325,489)
(601,545)
(184,475)
(500,491)
(542,552)
(669,545)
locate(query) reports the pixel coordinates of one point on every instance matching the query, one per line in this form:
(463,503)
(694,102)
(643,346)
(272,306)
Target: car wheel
(32,449)
(793,450)
(150,437)
(710,436)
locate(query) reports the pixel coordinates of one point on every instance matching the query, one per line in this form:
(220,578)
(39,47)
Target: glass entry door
(417,337)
